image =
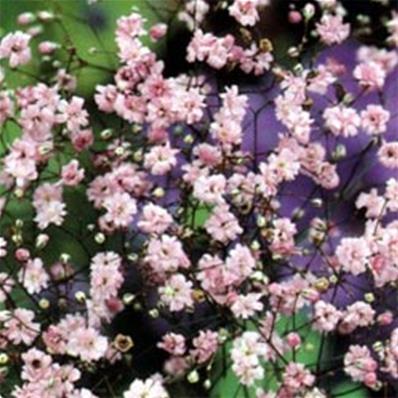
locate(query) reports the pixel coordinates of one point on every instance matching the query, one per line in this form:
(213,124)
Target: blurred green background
(88,27)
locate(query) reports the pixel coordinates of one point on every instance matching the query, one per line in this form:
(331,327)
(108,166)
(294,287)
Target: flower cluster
(246,223)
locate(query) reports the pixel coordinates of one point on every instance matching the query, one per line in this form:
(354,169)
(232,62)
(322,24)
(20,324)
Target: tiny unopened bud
(293,52)
(154,313)
(3,358)
(193,377)
(340,152)
(255,245)
(22,255)
(385,318)
(138,155)
(308,11)
(378,346)
(369,297)
(136,128)
(106,134)
(348,98)
(188,139)
(80,296)
(317,202)
(26,18)
(64,258)
(293,340)
(333,279)
(261,221)
(133,257)
(207,384)
(45,16)
(158,192)
(298,214)
(19,193)
(295,17)
(100,238)
(128,298)
(17,239)
(119,151)
(321,284)
(90,227)
(35,30)
(44,304)
(223,335)
(41,241)
(19,223)
(45,149)
(47,47)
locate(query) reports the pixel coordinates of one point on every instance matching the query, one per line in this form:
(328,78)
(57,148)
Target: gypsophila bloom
(214,207)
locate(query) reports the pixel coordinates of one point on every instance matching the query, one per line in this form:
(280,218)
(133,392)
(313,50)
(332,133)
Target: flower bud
(3,358)
(41,241)
(44,304)
(308,11)
(26,18)
(193,377)
(22,254)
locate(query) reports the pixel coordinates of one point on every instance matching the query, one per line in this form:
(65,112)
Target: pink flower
(374,119)
(73,114)
(36,365)
(359,314)
(154,219)
(129,27)
(359,364)
(353,255)
(246,306)
(326,316)
(210,189)
(106,97)
(87,344)
(240,262)
(388,155)
(297,378)
(7,284)
(282,241)
(6,107)
(82,139)
(20,328)
(176,294)
(222,225)
(120,208)
(370,75)
(71,174)
(47,47)
(245,11)
(106,277)
(391,194)
(332,30)
(149,388)
(205,346)
(161,159)
(157,31)
(246,353)
(50,209)
(15,47)
(341,120)
(374,204)
(173,343)
(33,276)
(166,254)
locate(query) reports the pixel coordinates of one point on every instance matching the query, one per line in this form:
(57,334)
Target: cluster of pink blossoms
(188,203)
